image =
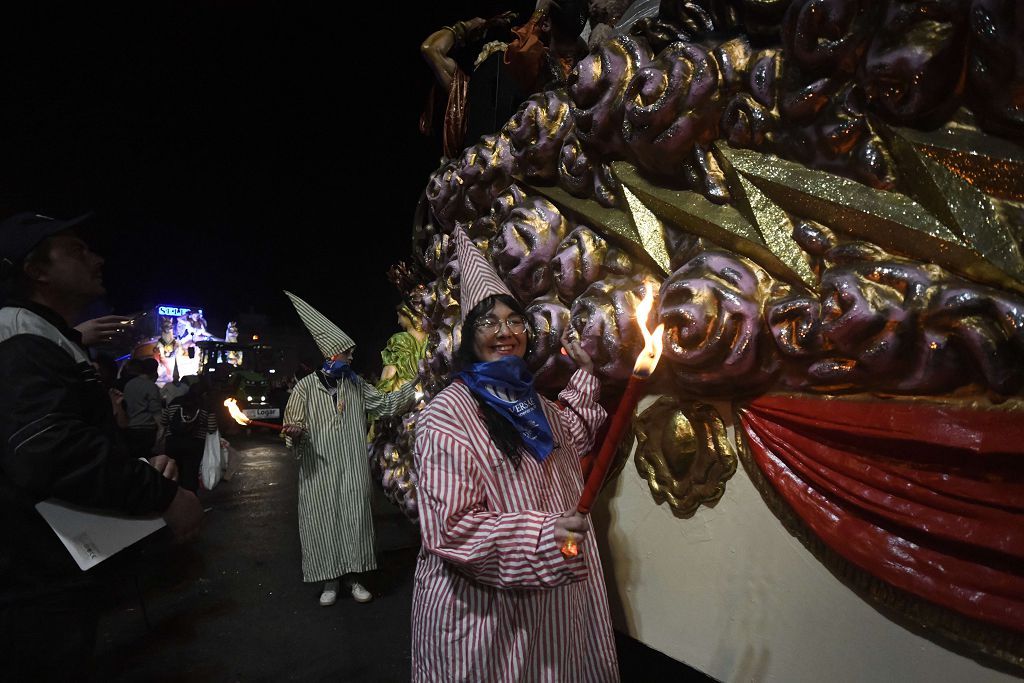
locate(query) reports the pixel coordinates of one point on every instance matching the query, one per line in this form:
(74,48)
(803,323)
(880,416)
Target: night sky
(228,148)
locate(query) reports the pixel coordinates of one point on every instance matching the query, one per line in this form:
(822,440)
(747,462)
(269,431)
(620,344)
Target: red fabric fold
(455,119)
(927,497)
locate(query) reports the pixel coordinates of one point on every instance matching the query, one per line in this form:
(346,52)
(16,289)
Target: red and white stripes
(494,599)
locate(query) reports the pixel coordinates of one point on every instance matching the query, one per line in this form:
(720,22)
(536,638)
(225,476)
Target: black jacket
(59,440)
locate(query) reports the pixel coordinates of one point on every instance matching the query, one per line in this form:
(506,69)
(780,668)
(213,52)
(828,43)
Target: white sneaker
(330,594)
(360,594)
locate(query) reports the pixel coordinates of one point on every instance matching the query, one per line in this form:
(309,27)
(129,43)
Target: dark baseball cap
(22,232)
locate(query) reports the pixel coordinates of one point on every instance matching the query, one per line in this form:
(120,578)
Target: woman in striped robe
(494,599)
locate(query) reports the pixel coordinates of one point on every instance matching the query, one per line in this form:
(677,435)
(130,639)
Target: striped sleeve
(504,550)
(295,412)
(583,415)
(379,404)
(206,423)
(165,416)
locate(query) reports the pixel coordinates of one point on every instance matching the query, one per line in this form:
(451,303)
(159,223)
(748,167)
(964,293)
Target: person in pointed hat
(499,478)
(325,423)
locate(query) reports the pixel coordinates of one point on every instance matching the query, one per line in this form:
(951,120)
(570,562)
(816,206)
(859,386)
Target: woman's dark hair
(465,355)
(506,437)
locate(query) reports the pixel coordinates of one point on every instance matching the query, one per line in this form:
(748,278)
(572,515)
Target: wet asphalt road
(231,605)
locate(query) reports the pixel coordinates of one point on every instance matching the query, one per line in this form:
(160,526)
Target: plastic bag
(210,470)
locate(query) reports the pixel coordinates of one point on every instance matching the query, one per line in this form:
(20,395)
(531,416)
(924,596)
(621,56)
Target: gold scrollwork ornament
(684,453)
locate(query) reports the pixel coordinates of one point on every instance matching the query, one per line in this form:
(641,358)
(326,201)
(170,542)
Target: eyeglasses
(493,325)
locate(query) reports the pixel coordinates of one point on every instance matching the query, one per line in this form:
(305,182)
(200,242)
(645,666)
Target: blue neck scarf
(507,386)
(339,369)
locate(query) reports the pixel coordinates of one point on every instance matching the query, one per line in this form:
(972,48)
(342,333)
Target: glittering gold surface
(723,225)
(993,165)
(772,222)
(614,223)
(974,638)
(649,228)
(684,453)
(1011,215)
(891,220)
(960,206)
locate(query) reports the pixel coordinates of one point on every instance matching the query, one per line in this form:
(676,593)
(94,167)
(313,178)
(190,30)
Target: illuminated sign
(176,311)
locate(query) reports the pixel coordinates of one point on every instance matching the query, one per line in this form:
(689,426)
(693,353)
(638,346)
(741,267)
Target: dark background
(229,149)
(232,149)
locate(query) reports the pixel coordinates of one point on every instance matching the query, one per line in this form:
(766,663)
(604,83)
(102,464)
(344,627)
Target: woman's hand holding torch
(570,531)
(645,364)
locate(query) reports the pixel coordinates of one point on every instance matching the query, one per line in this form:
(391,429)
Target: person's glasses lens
(492,326)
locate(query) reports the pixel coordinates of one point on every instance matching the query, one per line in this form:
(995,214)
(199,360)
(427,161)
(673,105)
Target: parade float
(178,338)
(171,335)
(824,475)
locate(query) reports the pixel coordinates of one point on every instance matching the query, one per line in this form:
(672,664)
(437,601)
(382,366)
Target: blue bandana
(507,386)
(339,369)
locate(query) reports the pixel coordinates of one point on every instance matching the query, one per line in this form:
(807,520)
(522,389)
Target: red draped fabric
(455,119)
(927,497)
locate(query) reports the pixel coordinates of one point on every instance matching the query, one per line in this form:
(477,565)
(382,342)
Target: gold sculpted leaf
(889,219)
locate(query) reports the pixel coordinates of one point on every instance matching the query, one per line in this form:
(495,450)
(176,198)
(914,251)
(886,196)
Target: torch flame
(238,416)
(651,354)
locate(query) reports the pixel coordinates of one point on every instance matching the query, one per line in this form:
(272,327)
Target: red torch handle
(268,425)
(604,458)
(621,418)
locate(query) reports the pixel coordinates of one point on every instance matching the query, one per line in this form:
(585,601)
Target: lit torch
(239,417)
(642,369)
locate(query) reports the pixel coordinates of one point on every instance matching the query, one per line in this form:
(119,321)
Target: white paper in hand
(92,536)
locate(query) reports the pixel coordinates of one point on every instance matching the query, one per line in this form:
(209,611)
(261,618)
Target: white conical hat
(477,278)
(326,334)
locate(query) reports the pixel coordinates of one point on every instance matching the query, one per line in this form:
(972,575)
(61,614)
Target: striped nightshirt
(335,520)
(494,599)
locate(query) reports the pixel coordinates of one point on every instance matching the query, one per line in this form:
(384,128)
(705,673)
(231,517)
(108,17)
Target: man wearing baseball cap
(58,439)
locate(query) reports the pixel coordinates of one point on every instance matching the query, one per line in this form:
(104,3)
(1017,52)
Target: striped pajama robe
(494,599)
(335,520)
